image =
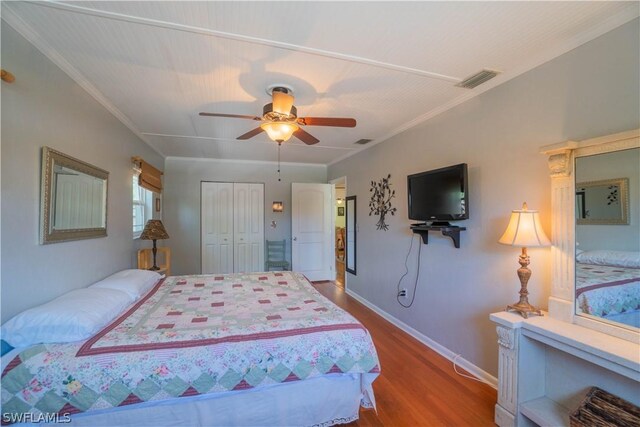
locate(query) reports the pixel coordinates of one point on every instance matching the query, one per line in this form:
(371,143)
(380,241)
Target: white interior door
(311,233)
(248,203)
(217,227)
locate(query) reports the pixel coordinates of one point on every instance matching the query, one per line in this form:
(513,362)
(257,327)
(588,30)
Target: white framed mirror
(608,237)
(594,281)
(73,199)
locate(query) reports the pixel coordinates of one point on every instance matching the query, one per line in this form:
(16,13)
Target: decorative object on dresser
(524,230)
(154,230)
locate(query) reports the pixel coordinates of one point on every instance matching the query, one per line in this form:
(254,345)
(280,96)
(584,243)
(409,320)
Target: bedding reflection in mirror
(608,237)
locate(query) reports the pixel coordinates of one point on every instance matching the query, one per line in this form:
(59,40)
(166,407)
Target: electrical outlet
(402,293)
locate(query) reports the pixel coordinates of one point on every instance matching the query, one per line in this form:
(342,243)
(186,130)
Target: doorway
(340,195)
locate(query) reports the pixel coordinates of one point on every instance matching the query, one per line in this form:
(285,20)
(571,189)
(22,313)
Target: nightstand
(163,259)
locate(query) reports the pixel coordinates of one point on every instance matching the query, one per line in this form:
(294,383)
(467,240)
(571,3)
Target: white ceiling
(390,65)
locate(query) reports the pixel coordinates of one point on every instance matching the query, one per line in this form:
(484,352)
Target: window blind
(150,178)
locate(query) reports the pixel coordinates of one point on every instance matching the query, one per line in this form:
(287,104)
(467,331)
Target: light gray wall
(45,107)
(621,164)
(182,200)
(590,91)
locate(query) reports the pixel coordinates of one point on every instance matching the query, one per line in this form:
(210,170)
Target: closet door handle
(295,239)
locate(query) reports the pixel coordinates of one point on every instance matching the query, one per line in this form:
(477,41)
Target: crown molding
(624,16)
(213,138)
(243,38)
(240,161)
(26,31)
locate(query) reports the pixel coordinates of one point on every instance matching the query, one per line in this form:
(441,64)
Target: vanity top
(570,336)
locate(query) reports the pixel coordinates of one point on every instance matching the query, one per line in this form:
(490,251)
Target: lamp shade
(279,131)
(154,230)
(524,230)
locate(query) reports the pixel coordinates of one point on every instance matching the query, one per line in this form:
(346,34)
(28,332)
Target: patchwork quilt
(603,290)
(194,335)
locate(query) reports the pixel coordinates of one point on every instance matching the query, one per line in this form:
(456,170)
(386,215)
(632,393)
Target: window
(142,200)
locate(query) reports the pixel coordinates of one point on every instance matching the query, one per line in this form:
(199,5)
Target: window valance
(150,178)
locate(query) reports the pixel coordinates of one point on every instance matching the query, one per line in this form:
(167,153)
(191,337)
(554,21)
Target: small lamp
(524,230)
(154,230)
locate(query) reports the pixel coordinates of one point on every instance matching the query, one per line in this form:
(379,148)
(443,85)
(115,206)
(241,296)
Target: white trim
(438,348)
(621,18)
(244,38)
(255,162)
(24,29)
(233,140)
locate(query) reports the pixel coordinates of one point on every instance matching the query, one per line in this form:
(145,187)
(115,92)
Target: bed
(608,285)
(244,349)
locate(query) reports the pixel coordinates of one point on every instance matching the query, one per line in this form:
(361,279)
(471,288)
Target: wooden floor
(417,386)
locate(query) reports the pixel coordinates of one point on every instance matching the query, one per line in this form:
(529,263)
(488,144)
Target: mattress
(196,336)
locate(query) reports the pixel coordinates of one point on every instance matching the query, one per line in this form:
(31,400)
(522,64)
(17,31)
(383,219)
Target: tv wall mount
(447,230)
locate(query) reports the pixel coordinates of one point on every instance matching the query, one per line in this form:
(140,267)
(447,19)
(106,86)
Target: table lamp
(524,230)
(154,230)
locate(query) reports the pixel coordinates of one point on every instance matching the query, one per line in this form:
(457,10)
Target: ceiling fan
(280,119)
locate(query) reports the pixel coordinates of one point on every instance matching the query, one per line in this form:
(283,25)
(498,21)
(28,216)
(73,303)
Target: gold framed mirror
(604,202)
(73,202)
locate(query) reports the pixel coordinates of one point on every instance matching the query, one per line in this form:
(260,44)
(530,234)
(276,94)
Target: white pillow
(74,316)
(614,258)
(134,282)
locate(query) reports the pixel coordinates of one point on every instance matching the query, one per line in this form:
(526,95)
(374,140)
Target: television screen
(439,195)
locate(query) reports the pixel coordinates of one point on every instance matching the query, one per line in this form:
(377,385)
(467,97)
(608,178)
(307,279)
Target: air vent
(478,78)
(363,141)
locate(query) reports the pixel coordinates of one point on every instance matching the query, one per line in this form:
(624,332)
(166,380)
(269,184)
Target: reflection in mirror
(351,234)
(602,202)
(74,199)
(608,237)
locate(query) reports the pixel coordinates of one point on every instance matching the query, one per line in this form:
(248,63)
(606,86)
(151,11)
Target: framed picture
(157,204)
(340,210)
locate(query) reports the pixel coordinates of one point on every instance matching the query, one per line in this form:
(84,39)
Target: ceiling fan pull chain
(279,145)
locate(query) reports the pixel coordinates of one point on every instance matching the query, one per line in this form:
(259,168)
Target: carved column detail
(562,237)
(507,368)
(560,164)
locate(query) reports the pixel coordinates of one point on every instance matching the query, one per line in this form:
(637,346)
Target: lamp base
(154,268)
(524,308)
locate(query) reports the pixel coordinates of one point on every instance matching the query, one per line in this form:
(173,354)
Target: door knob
(295,239)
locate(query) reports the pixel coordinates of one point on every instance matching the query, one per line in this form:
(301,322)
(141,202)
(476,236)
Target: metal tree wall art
(380,203)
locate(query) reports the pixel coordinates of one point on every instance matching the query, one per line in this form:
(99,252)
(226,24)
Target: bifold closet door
(217,227)
(248,230)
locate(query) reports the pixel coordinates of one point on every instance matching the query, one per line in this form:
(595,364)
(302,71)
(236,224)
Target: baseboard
(438,348)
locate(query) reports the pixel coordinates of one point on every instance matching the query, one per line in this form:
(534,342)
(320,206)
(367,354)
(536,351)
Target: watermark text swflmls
(42,417)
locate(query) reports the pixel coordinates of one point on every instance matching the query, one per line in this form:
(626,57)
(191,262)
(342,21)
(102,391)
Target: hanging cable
(406,271)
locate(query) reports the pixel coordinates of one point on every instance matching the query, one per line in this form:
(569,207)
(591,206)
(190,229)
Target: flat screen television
(439,195)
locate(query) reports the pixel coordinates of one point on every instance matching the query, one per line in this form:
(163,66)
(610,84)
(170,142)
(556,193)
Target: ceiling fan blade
(234,116)
(251,133)
(327,121)
(305,137)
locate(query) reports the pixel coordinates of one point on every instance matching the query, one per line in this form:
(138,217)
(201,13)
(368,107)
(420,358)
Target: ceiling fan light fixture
(279,131)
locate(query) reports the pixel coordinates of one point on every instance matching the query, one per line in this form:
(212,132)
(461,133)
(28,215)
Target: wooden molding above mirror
(73,203)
